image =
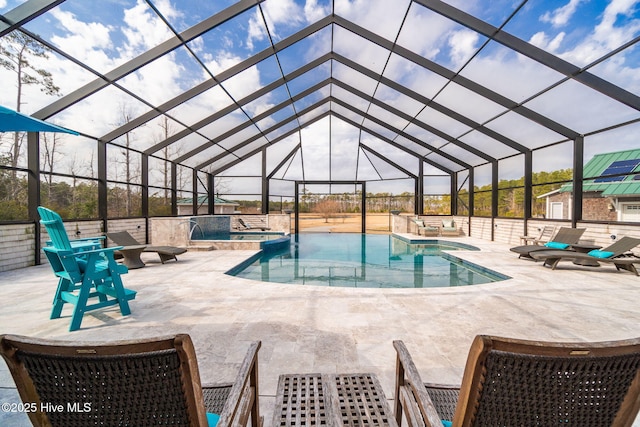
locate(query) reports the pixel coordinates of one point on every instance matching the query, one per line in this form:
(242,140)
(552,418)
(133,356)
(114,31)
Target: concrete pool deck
(323,329)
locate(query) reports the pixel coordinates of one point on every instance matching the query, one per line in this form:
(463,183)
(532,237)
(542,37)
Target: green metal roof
(598,164)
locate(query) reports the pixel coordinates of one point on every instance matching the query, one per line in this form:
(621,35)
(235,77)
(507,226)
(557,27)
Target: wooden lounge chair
(126,383)
(166,253)
(88,277)
(612,254)
(545,235)
(509,382)
(565,236)
(251,224)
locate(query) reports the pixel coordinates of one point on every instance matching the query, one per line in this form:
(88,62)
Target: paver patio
(322,329)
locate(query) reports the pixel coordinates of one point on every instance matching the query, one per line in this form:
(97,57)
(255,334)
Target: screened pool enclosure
(486,110)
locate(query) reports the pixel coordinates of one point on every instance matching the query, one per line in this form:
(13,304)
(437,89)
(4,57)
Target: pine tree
(17,50)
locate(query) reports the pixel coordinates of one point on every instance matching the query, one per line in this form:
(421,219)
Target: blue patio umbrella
(12,121)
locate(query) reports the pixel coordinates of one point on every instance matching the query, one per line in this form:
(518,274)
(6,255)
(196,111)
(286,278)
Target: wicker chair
(135,383)
(510,382)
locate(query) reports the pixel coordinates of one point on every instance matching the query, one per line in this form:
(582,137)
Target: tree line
(78,198)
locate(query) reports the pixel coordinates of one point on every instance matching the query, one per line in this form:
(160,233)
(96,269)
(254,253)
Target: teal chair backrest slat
(55,227)
(64,263)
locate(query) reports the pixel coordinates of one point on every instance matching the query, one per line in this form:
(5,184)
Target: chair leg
(58,302)
(81,304)
(118,287)
(551,262)
(628,267)
(166,257)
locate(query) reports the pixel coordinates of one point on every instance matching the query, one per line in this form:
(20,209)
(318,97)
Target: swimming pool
(366,260)
(265,241)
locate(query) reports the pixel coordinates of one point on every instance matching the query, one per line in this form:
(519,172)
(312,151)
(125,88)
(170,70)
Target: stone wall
(17,241)
(170,231)
(17,245)
(279,222)
(135,226)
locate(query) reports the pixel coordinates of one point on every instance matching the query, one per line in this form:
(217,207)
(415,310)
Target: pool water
(367,261)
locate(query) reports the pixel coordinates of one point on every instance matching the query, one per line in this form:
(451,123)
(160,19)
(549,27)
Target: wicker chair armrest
(445,398)
(215,396)
(411,394)
(243,396)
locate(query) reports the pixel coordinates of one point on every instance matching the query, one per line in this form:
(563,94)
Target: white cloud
(463,45)
(84,40)
(256,30)
(432,28)
(375,15)
(3,3)
(280,13)
(143,29)
(562,15)
(162,73)
(313,12)
(606,35)
(541,40)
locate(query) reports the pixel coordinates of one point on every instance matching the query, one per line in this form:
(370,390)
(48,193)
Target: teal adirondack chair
(84,271)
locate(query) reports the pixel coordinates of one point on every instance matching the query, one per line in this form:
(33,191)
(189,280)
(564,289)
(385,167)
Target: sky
(108,34)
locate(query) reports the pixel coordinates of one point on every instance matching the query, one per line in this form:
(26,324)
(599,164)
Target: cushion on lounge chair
(556,245)
(600,254)
(553,257)
(564,235)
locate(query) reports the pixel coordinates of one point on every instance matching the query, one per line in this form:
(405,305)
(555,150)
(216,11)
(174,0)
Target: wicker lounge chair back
(166,253)
(568,235)
(123,238)
(623,245)
(145,382)
(518,382)
(253,224)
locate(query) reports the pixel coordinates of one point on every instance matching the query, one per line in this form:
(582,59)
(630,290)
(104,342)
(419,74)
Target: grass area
(345,223)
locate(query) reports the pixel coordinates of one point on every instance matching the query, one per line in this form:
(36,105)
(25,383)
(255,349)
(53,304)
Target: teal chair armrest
(93,251)
(84,239)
